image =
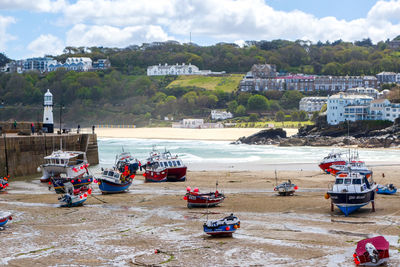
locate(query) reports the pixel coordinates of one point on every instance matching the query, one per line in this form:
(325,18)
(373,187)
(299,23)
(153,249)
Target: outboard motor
(373,253)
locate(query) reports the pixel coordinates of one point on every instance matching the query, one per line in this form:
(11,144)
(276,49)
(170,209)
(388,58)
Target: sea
(222,155)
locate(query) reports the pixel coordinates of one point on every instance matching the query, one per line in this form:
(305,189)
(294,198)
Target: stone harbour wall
(24,154)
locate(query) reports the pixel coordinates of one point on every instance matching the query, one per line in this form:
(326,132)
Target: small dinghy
(222,227)
(5,216)
(74,197)
(388,189)
(203,200)
(286,188)
(372,251)
(3,183)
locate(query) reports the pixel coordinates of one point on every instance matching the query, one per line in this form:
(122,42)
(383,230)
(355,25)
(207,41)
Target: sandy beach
(125,229)
(217,134)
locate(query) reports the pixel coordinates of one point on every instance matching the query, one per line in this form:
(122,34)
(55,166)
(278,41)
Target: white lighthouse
(48,124)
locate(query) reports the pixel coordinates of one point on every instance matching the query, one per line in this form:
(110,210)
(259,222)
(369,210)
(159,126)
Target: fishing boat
(286,188)
(163,167)
(74,197)
(354,165)
(388,189)
(126,159)
(202,200)
(352,191)
(5,216)
(372,252)
(66,166)
(333,158)
(222,227)
(112,181)
(3,183)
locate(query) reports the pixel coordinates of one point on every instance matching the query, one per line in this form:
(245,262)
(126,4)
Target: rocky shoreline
(315,135)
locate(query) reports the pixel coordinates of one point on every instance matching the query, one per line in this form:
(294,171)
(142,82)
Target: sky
(31,28)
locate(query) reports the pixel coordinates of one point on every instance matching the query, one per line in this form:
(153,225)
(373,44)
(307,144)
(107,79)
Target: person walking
(79,128)
(32,128)
(15,124)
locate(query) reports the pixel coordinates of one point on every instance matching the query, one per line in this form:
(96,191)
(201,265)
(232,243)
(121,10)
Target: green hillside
(227,83)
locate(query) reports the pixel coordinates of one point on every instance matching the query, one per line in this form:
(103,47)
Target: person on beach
(93,129)
(15,124)
(79,128)
(32,128)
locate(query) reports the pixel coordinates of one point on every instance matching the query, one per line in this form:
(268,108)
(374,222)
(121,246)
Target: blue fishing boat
(222,227)
(126,159)
(112,181)
(352,191)
(388,189)
(5,216)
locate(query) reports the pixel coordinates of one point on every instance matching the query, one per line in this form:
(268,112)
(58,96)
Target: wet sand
(125,229)
(217,134)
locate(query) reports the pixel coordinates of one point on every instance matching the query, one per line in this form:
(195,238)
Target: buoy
(80,196)
(90,191)
(235,226)
(196,190)
(227,228)
(188,189)
(72,181)
(296,187)
(185,198)
(79,180)
(95,181)
(85,195)
(327,196)
(49,182)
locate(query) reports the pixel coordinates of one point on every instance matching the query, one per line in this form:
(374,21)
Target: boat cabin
(351,182)
(65,158)
(165,164)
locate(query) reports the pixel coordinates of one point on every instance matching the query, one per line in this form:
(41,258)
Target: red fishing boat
(332,159)
(372,251)
(163,167)
(203,200)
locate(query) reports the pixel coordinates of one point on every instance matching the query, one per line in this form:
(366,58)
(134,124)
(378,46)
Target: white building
(342,107)
(73,63)
(386,77)
(311,104)
(398,78)
(172,69)
(220,115)
(364,91)
(360,107)
(192,123)
(177,69)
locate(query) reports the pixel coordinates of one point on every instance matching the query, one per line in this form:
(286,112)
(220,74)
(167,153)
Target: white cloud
(46,44)
(4,36)
(223,20)
(109,36)
(33,5)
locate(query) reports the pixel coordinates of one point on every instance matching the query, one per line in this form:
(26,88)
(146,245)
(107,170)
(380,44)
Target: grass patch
(171,258)
(227,83)
(123,231)
(33,251)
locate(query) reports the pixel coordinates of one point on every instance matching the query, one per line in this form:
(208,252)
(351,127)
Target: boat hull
(350,202)
(4,218)
(222,230)
(58,184)
(386,191)
(75,201)
(166,175)
(204,200)
(107,187)
(326,165)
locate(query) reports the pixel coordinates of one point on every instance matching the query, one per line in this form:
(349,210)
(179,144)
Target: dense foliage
(125,95)
(336,58)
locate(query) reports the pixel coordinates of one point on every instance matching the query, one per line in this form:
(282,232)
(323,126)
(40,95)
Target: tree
(232,106)
(279,116)
(258,103)
(315,116)
(240,111)
(253,117)
(291,99)
(294,116)
(303,115)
